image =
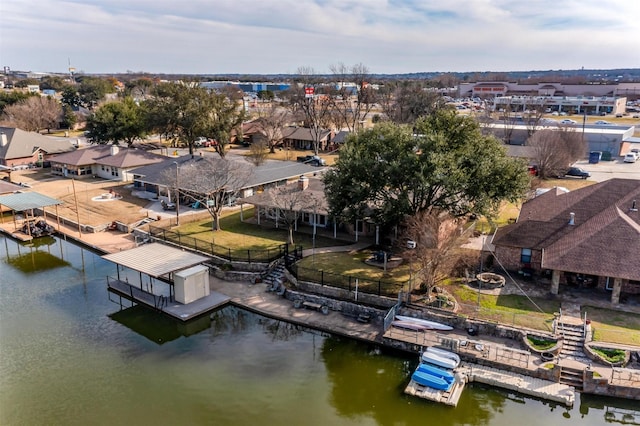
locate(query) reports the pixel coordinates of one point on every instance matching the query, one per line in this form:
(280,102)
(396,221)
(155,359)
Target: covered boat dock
(163,264)
(27,202)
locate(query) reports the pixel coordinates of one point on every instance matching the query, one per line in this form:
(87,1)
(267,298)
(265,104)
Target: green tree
(69,118)
(118,121)
(184,112)
(53,82)
(266,95)
(70,97)
(13,97)
(443,161)
(26,82)
(92,90)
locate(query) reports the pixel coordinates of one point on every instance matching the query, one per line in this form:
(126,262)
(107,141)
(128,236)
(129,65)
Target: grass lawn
(613,326)
(342,269)
(508,309)
(235,234)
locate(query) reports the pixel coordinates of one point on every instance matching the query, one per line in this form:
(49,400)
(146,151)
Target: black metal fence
(347,282)
(209,248)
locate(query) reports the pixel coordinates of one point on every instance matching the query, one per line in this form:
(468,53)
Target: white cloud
(278,36)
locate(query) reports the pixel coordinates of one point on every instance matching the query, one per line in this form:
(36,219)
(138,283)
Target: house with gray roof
(589,237)
(21,149)
(304,137)
(110,162)
(157,178)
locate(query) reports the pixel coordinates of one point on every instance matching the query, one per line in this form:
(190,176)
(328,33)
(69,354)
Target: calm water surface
(71,356)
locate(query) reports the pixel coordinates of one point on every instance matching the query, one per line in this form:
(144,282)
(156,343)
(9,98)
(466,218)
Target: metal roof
(155,259)
(27,201)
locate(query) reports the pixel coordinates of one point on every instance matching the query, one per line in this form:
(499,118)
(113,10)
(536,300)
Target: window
(525,255)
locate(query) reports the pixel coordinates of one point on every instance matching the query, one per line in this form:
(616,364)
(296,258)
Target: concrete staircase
(572,354)
(572,377)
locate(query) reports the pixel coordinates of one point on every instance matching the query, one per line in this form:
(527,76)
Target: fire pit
(490,280)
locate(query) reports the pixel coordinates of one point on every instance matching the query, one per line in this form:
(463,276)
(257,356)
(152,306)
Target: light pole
(177,194)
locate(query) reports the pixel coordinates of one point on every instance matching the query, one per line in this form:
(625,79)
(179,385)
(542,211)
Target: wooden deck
(183,312)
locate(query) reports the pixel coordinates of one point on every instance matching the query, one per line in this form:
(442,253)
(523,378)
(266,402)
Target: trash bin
(606,156)
(594,157)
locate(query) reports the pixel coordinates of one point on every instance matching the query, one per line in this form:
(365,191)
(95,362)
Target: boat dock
(527,385)
(183,312)
(450,397)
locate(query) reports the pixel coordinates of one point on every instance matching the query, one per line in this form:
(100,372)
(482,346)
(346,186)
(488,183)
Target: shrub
(541,344)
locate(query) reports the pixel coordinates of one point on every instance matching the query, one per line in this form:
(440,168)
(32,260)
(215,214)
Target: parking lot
(605,170)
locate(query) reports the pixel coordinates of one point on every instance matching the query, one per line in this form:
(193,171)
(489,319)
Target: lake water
(71,356)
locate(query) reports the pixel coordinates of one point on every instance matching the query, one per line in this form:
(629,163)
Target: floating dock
(526,385)
(450,397)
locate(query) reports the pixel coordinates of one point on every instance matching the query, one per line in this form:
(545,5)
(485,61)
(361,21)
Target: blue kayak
(426,379)
(435,371)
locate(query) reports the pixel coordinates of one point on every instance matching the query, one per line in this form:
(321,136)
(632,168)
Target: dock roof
(155,259)
(27,200)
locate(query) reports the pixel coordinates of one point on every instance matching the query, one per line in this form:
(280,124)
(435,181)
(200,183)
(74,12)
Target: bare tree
(34,114)
(351,104)
(211,182)
(404,102)
(309,101)
(555,150)
(258,152)
(271,120)
(435,234)
(290,202)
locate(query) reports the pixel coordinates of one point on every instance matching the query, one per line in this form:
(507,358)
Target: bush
(541,344)
(613,356)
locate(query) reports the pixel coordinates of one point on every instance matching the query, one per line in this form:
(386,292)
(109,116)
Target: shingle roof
(21,144)
(315,189)
(269,172)
(101,154)
(604,239)
(302,133)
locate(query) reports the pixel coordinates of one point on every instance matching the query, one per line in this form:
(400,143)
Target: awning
(156,259)
(27,201)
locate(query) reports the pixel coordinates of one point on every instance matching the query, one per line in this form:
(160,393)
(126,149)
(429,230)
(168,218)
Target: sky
(281,36)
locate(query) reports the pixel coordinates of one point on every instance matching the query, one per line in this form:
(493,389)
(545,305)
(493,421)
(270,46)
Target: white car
(567,121)
(631,157)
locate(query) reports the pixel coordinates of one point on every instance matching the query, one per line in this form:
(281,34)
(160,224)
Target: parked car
(203,142)
(577,172)
(567,121)
(631,157)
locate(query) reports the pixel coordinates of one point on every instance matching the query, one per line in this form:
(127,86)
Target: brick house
(19,148)
(588,238)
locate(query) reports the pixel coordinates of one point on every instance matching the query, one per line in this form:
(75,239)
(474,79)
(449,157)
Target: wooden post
(76,202)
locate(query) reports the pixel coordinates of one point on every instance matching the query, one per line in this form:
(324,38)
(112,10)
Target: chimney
(303,183)
(634,208)
(572,218)
(3,139)
(114,149)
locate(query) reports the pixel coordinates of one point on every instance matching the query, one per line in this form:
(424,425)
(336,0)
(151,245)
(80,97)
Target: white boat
(409,325)
(431,325)
(444,353)
(439,361)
